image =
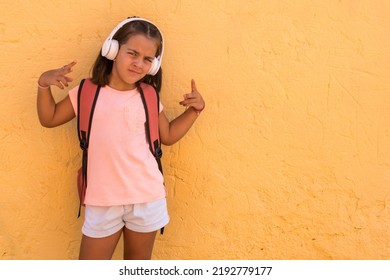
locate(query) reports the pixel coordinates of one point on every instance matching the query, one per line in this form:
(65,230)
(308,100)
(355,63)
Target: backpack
(87,97)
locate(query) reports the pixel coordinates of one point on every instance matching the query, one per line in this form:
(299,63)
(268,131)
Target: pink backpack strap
(151,103)
(87,96)
(86,104)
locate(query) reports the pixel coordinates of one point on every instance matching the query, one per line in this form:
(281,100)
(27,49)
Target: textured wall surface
(290,159)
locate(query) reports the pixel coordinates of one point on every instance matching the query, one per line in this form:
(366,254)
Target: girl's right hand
(57,77)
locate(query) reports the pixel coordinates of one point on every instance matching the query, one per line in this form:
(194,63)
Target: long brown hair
(102,67)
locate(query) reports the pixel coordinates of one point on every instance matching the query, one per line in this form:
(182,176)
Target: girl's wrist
(42,87)
(40,84)
(200,110)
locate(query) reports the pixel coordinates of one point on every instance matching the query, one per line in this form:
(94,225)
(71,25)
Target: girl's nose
(138,62)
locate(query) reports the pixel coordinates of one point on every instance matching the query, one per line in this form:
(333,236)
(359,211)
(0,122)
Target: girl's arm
(171,132)
(50,113)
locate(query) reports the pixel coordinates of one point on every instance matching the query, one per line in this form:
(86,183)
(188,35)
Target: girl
(126,193)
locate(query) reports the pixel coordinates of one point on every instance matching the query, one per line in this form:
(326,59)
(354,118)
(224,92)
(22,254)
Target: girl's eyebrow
(130,49)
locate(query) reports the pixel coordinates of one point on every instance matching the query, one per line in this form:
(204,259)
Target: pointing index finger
(68,67)
(193,85)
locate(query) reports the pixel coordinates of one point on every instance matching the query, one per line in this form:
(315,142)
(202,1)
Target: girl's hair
(102,67)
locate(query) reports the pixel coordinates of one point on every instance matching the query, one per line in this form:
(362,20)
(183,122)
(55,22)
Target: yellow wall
(290,160)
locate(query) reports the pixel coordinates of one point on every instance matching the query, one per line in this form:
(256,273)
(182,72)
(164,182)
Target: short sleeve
(161,107)
(73,98)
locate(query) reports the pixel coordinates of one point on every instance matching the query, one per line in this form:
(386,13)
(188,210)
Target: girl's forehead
(142,39)
(142,42)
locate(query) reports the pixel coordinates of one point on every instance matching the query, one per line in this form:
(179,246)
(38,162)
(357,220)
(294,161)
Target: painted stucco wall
(290,159)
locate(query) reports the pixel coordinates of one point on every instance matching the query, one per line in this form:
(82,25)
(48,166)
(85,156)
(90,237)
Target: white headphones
(110,46)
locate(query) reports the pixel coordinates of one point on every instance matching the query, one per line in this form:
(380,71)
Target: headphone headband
(110,46)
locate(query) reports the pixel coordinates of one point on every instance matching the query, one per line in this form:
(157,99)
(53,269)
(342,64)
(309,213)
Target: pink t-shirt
(121,168)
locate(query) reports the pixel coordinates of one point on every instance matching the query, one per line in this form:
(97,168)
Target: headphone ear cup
(110,49)
(105,47)
(154,67)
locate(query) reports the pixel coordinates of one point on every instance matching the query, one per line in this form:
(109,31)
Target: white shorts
(102,221)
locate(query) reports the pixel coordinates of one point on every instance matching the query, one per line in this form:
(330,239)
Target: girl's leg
(99,248)
(138,245)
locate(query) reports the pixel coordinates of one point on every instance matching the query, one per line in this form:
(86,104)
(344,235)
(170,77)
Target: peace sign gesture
(193,99)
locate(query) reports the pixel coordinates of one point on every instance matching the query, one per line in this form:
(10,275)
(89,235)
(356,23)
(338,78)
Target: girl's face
(133,62)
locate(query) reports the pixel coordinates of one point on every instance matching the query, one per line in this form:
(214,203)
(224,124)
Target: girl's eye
(132,53)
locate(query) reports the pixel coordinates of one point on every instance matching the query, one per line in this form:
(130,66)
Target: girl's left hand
(193,99)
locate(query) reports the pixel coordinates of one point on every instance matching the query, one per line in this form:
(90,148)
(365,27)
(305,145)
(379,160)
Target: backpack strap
(151,103)
(87,96)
